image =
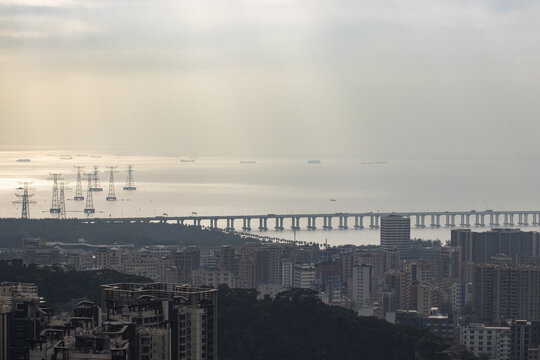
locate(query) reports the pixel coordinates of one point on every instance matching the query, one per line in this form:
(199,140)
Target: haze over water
(221,186)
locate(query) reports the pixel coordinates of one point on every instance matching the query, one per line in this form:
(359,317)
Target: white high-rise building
(361,285)
(287,273)
(304,275)
(491,340)
(396,235)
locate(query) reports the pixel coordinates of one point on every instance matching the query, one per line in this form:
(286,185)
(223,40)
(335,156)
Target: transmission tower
(24,200)
(111,196)
(55,205)
(89,208)
(62,213)
(78,190)
(95,178)
(130,184)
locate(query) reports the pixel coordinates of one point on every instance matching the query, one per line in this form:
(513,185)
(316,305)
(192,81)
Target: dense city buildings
(481,290)
(136,321)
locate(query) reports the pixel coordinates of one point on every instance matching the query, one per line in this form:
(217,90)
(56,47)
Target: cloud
(52,3)
(33,26)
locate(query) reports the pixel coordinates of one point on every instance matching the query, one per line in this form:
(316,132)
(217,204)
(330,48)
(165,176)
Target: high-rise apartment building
(177,318)
(502,292)
(493,341)
(304,275)
(361,285)
(486,247)
(396,234)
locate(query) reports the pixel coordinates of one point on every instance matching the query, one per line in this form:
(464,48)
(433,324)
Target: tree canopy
(297,325)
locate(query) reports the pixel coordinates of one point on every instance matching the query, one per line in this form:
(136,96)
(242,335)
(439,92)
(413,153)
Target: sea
(181,185)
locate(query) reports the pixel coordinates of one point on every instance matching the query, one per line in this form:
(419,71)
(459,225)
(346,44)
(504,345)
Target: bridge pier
(358,222)
(246,226)
(343,222)
(435,220)
(479,219)
(327,223)
(465,220)
(374,221)
(295,223)
(509,219)
(263,224)
(523,219)
(534,219)
(311,223)
(230,224)
(420,221)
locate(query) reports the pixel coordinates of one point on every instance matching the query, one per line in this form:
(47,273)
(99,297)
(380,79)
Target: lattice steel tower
(24,200)
(62,213)
(55,202)
(111,196)
(95,178)
(130,183)
(78,189)
(89,208)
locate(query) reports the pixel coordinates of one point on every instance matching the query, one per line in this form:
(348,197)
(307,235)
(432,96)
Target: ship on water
(312,162)
(22,160)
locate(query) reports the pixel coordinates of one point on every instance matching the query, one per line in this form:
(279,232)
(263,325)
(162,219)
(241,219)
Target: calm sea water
(219,186)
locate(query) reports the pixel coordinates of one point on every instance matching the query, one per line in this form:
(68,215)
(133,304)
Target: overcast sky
(316,78)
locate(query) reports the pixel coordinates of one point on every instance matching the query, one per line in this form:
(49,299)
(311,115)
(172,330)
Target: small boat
(312,162)
(247,162)
(187,160)
(23,160)
(95,156)
(65,157)
(333,200)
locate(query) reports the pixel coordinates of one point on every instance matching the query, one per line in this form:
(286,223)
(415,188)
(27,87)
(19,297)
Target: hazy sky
(315,78)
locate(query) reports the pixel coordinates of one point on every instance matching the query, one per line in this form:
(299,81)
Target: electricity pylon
(111,196)
(96,186)
(78,189)
(55,205)
(24,200)
(89,208)
(130,183)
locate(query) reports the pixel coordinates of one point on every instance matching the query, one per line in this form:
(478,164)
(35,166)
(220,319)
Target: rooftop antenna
(78,190)
(24,199)
(55,205)
(111,196)
(130,184)
(95,178)
(89,208)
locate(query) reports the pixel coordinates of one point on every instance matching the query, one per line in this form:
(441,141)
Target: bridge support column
(447,224)
(497,220)
(246,226)
(230,224)
(343,222)
(295,223)
(358,222)
(534,221)
(262,224)
(482,220)
(327,222)
(311,223)
(525,219)
(510,219)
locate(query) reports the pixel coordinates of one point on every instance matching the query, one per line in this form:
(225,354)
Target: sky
(440,79)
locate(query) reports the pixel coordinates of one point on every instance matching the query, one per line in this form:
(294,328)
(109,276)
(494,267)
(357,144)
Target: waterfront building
(396,234)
